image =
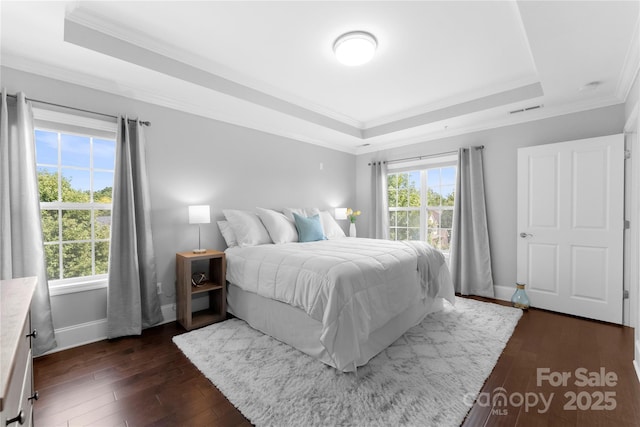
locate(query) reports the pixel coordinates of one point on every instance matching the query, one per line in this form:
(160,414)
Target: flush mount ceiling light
(355,48)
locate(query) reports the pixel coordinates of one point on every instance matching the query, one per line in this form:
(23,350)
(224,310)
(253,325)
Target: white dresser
(16,364)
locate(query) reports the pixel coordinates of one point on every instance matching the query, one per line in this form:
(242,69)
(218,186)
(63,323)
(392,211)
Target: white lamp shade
(199,214)
(341,213)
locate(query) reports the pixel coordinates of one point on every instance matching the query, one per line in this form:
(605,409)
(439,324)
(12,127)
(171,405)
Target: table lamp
(340,213)
(199,214)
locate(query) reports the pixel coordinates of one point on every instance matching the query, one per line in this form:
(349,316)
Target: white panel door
(570,226)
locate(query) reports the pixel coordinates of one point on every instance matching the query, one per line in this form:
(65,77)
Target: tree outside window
(440,199)
(421,205)
(75,178)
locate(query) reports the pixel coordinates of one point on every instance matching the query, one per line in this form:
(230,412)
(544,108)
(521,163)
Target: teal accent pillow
(309,229)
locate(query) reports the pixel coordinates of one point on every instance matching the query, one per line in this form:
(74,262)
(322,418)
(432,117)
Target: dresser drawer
(16,367)
(20,381)
(26,404)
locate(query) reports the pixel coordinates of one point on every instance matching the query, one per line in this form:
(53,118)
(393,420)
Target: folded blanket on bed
(352,286)
(431,263)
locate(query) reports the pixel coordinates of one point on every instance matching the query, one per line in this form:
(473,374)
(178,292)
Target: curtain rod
(425,156)
(144,123)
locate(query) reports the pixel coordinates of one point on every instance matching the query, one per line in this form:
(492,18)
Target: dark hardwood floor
(563,344)
(147,381)
(133,381)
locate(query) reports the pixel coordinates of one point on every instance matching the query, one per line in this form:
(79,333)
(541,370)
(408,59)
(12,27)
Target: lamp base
(199,251)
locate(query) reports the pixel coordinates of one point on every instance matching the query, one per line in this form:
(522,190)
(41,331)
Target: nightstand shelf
(205,287)
(213,264)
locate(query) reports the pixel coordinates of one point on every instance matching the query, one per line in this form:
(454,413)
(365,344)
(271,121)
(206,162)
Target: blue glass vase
(520,298)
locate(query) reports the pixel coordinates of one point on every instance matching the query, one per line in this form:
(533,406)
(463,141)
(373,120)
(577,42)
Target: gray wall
(499,156)
(195,160)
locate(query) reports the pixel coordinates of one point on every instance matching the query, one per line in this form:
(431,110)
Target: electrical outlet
(159,286)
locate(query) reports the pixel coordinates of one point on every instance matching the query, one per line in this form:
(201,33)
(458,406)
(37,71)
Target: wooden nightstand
(215,286)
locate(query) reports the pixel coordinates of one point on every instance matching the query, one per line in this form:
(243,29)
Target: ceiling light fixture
(355,48)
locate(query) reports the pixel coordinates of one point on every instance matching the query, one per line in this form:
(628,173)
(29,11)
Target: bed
(341,300)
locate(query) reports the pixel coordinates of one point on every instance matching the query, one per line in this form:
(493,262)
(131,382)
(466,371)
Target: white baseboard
(77,335)
(503,293)
(87,333)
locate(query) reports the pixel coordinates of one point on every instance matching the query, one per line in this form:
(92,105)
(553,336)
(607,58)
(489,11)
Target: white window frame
(62,123)
(422,165)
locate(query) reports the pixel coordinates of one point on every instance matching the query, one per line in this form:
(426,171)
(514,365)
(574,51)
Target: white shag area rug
(426,378)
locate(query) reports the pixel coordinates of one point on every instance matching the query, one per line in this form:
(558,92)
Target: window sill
(72,288)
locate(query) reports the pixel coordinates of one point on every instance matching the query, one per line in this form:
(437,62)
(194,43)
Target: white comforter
(352,286)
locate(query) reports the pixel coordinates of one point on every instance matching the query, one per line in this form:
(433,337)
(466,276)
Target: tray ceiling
(442,68)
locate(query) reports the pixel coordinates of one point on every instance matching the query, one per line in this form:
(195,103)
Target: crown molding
(87,37)
(84,18)
(531,116)
(496,100)
(81,79)
(450,102)
(630,67)
(469,96)
(101,37)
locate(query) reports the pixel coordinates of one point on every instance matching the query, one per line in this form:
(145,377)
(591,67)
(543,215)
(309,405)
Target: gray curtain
(470,260)
(379,224)
(22,249)
(133,302)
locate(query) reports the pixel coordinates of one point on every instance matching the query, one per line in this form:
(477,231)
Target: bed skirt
(295,328)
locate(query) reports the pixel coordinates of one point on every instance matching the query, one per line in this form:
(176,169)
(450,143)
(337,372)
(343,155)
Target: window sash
(96,279)
(425,207)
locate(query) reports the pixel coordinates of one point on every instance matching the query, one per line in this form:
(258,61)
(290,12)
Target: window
(421,204)
(75,178)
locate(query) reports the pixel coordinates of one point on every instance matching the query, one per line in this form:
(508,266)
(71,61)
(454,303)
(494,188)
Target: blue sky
(75,153)
(441,180)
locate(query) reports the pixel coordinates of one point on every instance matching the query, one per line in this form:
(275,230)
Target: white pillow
(227,233)
(247,227)
(280,228)
(331,228)
(305,212)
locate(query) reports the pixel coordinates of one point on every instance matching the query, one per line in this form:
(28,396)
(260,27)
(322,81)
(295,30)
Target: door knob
(525,235)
